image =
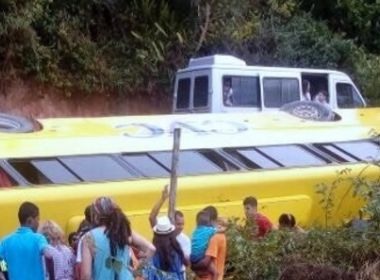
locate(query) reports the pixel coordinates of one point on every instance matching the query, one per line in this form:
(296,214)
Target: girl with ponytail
(106,252)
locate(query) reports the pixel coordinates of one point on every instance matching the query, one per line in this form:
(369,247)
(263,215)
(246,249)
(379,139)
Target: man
(216,250)
(23,249)
(261,222)
(179,222)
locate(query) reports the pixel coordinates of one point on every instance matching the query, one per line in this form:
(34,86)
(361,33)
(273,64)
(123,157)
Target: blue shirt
(199,242)
(22,251)
(104,266)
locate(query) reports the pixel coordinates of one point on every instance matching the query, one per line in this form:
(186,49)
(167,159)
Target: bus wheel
(16,124)
(309,110)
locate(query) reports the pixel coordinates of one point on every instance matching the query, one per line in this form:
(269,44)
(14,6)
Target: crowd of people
(106,247)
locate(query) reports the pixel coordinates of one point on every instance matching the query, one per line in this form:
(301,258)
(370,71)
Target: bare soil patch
(36,101)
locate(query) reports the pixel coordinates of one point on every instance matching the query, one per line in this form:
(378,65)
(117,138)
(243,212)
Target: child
(200,240)
(288,222)
(61,265)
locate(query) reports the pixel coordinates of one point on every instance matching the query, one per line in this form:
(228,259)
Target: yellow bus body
(290,190)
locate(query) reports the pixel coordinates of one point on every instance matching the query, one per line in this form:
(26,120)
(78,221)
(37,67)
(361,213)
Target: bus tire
(309,110)
(15,124)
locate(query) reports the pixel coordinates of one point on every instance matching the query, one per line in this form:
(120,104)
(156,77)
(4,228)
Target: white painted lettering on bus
(207,127)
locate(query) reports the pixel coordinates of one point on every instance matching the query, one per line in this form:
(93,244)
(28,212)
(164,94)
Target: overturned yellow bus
(274,156)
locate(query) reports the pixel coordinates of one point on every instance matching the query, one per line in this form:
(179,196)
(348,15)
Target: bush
(347,251)
(341,248)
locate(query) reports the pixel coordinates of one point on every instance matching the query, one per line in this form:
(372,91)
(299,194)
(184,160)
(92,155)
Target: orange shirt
(217,249)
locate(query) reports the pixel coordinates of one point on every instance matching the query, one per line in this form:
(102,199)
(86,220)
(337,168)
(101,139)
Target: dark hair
(287,220)
(203,218)
(88,214)
(178,213)
(27,210)
(212,211)
(250,200)
(324,92)
(165,245)
(118,229)
(72,237)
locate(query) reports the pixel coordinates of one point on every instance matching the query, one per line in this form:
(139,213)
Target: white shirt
(79,250)
(185,243)
(306,96)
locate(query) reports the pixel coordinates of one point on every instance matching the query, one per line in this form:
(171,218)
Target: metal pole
(173,174)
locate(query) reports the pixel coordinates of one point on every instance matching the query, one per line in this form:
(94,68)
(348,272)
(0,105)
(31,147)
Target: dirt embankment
(31,100)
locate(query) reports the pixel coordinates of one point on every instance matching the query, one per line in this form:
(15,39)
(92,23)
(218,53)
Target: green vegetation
(119,46)
(344,252)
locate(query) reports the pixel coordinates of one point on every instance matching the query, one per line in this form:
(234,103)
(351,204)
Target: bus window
(292,155)
(200,98)
(337,153)
(29,171)
(364,150)
(219,160)
(256,159)
(280,91)
(347,96)
(190,163)
(183,94)
(54,171)
(96,168)
(241,91)
(146,165)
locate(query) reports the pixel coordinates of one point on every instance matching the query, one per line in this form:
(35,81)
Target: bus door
(280,88)
(193,92)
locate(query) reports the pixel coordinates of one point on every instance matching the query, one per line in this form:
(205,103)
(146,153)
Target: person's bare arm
(2,277)
(86,264)
(146,248)
(156,208)
(203,264)
(48,251)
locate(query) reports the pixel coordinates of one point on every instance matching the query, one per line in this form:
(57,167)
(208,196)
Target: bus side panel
(279,191)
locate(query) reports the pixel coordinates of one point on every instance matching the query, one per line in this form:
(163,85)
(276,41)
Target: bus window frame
(319,157)
(218,157)
(247,162)
(63,165)
(230,155)
(359,141)
(13,174)
(110,156)
(139,170)
(321,147)
(256,77)
(179,171)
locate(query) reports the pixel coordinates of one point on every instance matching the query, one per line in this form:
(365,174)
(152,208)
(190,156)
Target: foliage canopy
(117,46)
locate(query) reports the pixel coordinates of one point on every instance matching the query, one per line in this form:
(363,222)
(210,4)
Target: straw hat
(163,225)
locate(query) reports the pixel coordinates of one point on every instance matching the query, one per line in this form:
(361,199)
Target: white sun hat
(163,225)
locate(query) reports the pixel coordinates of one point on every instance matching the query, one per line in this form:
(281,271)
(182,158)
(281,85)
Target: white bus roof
(229,62)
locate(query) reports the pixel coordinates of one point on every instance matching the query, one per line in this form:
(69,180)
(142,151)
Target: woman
(106,248)
(61,264)
(168,260)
